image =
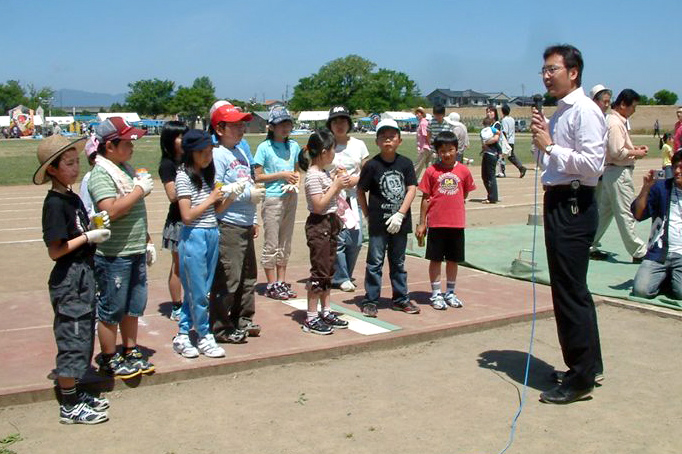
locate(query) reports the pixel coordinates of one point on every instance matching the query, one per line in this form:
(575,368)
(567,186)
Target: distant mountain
(78,98)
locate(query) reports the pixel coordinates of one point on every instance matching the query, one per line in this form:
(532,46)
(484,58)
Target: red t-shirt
(447,189)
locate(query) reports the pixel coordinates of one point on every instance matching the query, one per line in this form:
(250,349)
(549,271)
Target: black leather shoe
(559,376)
(598,255)
(562,395)
(522,172)
(637,260)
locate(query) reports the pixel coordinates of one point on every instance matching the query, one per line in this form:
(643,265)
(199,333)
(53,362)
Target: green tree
(549,100)
(40,96)
(195,101)
(150,97)
(354,82)
(11,95)
(116,107)
(665,98)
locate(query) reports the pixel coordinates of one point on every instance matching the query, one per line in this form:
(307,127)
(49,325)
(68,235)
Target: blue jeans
(394,247)
(122,285)
(348,247)
(651,274)
(198,251)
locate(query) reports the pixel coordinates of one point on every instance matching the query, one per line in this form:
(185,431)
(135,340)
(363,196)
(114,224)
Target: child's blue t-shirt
(277,157)
(233,165)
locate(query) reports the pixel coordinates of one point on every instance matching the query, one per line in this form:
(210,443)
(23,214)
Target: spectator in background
(423,145)
(602,96)
(677,132)
(657,129)
(509,130)
(618,189)
(462,134)
(436,126)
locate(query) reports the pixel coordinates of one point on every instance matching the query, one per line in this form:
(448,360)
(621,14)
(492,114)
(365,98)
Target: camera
(659,175)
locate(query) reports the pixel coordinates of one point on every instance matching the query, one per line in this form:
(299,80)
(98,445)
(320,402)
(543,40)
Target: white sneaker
(452,300)
(347,286)
(438,303)
(183,346)
(208,347)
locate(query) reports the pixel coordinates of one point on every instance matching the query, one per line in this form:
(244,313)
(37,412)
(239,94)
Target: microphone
(537,102)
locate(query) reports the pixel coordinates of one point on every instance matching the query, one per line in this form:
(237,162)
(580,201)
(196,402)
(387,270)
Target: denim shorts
(122,284)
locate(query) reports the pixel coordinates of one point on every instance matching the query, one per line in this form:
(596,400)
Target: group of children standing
(214,185)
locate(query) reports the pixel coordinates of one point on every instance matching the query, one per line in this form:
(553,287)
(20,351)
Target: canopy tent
(130,117)
(61,121)
(408,117)
(313,115)
(150,123)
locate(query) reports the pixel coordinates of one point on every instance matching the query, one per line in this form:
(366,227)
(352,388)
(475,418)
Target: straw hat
(49,150)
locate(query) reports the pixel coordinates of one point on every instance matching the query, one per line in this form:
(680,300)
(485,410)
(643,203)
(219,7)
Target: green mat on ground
(507,250)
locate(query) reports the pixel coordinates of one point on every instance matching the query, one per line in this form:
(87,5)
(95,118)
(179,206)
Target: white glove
(106,222)
(257,195)
(394,222)
(290,188)
(233,190)
(151,254)
(97,236)
(144,181)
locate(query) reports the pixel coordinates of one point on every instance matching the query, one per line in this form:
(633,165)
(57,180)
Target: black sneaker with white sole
(334,321)
(98,404)
(118,367)
(81,413)
(317,326)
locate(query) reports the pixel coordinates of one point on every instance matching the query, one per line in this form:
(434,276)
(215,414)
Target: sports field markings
(356,321)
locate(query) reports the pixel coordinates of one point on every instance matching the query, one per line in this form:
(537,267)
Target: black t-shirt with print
(386,183)
(167,171)
(65,218)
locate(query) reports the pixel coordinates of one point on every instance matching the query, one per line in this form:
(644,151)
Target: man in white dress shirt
(571,149)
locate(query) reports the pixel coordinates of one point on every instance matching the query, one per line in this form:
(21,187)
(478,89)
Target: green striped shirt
(128,233)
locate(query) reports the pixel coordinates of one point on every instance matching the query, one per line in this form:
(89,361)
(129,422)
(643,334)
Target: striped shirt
(128,233)
(185,188)
(317,182)
(436,128)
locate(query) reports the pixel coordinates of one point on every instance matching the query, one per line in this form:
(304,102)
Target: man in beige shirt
(618,189)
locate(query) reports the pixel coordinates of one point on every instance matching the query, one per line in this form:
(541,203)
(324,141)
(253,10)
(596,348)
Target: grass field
(18,159)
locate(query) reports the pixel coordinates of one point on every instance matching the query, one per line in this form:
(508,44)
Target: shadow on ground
(512,363)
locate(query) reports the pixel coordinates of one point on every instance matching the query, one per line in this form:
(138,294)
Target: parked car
(521,125)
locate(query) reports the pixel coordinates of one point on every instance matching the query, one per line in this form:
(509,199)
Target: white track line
(354,324)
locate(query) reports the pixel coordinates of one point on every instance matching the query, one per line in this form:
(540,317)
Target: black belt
(574,186)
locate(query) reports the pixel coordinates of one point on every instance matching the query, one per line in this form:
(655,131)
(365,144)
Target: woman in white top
(350,155)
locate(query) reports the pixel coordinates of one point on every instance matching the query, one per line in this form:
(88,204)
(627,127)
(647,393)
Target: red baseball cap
(229,114)
(117,128)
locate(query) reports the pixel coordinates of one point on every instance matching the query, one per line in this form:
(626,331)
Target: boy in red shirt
(445,185)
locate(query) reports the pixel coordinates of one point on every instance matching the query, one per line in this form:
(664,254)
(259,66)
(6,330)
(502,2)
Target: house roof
(468,93)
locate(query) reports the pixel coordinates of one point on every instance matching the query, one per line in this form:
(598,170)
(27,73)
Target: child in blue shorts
(70,239)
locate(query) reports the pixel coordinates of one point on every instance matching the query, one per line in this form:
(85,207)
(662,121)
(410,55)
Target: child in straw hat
(71,238)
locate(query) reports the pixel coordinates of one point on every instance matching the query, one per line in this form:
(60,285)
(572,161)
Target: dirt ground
(454,395)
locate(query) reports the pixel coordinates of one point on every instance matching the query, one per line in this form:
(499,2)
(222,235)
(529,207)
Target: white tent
(398,116)
(5,121)
(61,121)
(313,115)
(130,117)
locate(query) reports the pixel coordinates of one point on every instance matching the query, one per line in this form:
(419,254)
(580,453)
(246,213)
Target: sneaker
(119,367)
(369,309)
(238,336)
(98,404)
(81,413)
(438,302)
(138,360)
(175,313)
(452,300)
(286,288)
(276,292)
(347,286)
(183,346)
(252,329)
(334,321)
(405,306)
(208,347)
(316,326)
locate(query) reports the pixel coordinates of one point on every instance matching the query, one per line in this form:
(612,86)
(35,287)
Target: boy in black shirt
(390,180)
(70,238)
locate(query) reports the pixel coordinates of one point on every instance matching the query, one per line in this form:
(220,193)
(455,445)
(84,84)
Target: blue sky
(257,48)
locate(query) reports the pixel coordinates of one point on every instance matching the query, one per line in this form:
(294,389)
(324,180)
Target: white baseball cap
(598,89)
(387,123)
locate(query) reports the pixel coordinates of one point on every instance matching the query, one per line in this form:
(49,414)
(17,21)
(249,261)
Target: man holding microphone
(570,150)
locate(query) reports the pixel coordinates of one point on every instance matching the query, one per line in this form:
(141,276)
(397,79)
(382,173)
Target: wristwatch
(548,148)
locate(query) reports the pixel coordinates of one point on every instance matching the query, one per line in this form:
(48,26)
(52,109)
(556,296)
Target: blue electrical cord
(532,329)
